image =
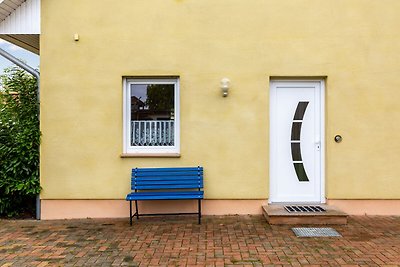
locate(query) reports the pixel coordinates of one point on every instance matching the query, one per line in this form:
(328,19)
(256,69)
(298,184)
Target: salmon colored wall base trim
(367,207)
(73,209)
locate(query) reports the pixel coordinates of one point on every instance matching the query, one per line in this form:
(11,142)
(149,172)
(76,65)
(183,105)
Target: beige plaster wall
(354,43)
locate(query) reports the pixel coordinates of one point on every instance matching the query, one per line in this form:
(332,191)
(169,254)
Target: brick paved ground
(219,241)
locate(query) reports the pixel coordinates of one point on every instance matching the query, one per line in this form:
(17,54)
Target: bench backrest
(167,178)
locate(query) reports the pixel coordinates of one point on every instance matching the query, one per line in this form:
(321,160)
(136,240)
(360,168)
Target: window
(151,116)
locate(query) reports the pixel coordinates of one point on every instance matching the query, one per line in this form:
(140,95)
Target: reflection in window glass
(296,154)
(300,172)
(152,114)
(152,101)
(296,130)
(300,110)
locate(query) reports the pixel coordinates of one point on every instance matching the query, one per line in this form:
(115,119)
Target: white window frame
(127,148)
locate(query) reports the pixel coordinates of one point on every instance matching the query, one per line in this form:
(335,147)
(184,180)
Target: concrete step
(277,214)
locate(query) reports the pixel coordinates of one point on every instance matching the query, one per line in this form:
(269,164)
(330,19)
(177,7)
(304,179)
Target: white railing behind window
(152,133)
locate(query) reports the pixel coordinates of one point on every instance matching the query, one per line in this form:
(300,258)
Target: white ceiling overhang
(20,23)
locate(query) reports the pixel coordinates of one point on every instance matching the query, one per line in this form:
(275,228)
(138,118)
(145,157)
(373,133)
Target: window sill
(151,155)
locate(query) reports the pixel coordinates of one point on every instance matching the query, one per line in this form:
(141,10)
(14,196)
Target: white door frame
(272,137)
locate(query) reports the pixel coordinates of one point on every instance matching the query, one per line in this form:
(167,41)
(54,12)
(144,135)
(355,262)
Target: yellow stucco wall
(354,43)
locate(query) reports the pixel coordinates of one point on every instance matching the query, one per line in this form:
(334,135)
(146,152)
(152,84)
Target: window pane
(301,172)
(152,114)
(300,110)
(152,101)
(296,153)
(296,130)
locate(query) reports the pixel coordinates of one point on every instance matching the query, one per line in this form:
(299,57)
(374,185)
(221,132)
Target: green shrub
(19,142)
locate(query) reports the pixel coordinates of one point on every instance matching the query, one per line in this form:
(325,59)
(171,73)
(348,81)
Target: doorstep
(277,214)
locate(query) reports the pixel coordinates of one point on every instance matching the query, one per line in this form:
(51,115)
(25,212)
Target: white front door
(296,141)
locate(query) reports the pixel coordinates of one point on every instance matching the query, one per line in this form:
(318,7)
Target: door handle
(318,142)
(318,145)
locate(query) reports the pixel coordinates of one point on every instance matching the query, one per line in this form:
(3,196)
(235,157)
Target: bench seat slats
(164,178)
(176,181)
(168,169)
(166,174)
(173,186)
(165,195)
(167,178)
(191,185)
(166,184)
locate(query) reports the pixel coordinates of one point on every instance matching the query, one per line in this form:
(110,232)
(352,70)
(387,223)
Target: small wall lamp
(225,85)
(338,138)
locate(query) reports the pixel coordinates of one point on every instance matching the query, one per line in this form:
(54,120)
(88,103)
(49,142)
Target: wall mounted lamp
(225,85)
(338,138)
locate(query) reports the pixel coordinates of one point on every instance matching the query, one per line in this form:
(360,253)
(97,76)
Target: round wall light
(225,85)
(338,138)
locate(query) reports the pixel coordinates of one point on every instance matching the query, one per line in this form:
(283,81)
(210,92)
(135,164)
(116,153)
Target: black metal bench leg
(199,211)
(130,212)
(137,210)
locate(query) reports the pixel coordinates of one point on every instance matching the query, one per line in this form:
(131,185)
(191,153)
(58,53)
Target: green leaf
(19,141)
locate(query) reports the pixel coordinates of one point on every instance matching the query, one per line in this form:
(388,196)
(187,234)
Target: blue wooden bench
(165,184)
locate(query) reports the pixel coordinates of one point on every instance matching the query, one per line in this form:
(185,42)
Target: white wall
(24,20)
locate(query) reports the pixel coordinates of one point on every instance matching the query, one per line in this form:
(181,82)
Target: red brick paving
(219,241)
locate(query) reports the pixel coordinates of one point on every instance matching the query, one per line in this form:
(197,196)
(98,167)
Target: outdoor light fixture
(225,84)
(338,138)
(76,37)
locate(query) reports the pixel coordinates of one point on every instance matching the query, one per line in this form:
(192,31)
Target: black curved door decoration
(295,142)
